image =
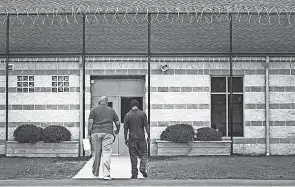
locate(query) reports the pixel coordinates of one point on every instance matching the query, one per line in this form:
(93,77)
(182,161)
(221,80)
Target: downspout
(149,81)
(267,129)
(7,71)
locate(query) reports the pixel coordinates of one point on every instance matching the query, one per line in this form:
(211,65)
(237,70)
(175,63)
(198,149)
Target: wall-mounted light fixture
(165,67)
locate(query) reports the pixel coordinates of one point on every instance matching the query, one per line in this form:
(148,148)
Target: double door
(120,93)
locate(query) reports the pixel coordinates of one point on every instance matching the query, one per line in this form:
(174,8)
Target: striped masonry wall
(282,110)
(184,80)
(43,107)
(282,106)
(2,107)
(180,95)
(254,110)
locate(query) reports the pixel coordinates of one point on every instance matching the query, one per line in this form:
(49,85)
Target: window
(60,84)
(220,98)
(25,84)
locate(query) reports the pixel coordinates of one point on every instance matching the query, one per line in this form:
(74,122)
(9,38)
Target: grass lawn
(223,167)
(203,167)
(40,168)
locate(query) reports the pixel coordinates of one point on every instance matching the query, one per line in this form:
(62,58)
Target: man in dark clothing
(100,129)
(134,122)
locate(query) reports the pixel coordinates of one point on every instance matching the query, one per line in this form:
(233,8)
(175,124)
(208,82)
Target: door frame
(101,77)
(118,77)
(112,99)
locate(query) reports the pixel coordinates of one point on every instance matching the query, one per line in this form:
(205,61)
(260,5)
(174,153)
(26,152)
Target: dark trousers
(138,150)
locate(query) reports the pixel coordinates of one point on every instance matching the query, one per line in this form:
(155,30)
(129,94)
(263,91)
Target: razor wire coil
(159,15)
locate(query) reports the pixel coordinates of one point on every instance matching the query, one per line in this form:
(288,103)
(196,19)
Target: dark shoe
(134,177)
(144,174)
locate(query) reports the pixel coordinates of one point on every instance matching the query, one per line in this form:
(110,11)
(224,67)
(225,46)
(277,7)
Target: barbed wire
(120,62)
(126,59)
(159,15)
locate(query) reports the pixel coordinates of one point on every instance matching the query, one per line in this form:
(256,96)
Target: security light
(165,68)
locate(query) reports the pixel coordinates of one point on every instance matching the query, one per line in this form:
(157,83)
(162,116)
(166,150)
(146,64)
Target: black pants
(138,150)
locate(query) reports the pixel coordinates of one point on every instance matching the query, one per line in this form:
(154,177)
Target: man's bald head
(103,100)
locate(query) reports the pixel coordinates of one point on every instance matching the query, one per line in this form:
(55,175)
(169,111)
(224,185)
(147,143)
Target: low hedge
(28,133)
(181,133)
(208,134)
(55,134)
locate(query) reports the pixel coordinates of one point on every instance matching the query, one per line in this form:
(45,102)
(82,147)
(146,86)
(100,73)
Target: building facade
(45,80)
(193,91)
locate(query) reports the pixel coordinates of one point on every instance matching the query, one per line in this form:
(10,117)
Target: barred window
(25,84)
(60,84)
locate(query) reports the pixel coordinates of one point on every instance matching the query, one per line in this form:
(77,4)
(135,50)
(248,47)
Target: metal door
(117,90)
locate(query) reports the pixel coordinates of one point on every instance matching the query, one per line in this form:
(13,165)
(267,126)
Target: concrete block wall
(44,107)
(180,95)
(2,107)
(282,106)
(254,106)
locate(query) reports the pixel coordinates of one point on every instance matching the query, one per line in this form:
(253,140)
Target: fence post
(83,79)
(149,81)
(7,71)
(231,83)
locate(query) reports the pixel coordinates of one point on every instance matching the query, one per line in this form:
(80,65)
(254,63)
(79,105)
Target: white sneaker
(107,178)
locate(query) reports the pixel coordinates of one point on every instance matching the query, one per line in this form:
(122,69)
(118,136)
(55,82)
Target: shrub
(181,133)
(55,134)
(28,133)
(208,134)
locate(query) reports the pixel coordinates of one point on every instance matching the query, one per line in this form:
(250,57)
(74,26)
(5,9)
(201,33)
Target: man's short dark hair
(134,103)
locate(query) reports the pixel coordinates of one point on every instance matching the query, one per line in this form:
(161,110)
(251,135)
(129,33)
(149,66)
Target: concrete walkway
(120,169)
